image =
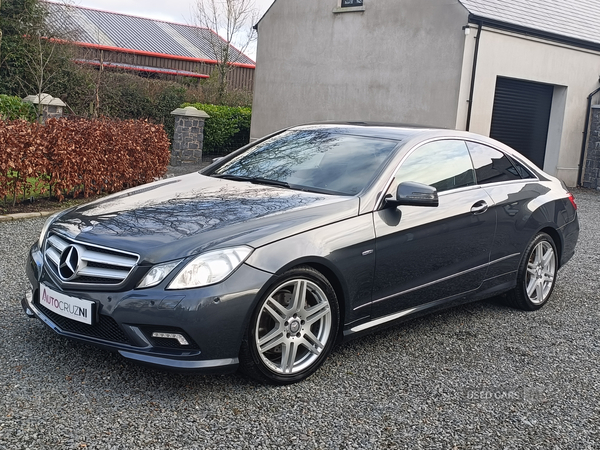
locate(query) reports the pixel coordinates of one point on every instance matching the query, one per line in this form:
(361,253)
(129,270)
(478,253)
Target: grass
(30,189)
(34,196)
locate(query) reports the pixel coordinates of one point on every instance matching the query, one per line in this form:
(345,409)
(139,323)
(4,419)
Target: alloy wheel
(541,272)
(293,327)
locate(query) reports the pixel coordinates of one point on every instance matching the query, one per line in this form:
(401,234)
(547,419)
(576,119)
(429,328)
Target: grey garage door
(521,115)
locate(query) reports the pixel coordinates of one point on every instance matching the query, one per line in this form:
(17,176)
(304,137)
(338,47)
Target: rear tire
(293,328)
(537,274)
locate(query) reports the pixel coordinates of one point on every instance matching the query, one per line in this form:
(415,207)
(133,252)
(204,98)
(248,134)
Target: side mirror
(410,193)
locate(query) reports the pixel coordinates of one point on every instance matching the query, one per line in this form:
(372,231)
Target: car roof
(400,132)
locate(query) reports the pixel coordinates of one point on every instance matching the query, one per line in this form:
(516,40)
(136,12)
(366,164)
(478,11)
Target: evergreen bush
(227,128)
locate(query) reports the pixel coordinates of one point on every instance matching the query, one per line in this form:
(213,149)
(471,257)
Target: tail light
(572,200)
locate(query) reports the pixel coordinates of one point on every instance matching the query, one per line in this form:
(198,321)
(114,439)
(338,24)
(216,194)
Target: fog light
(177,336)
(29,301)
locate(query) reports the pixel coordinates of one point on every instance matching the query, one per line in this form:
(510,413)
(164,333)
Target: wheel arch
(337,287)
(325,268)
(250,362)
(558,243)
(330,272)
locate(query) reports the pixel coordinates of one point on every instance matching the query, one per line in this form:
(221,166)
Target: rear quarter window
(523,171)
(491,165)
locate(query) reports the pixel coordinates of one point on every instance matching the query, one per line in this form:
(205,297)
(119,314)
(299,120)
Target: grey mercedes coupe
(312,235)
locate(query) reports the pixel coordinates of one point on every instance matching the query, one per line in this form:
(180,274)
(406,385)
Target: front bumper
(212,319)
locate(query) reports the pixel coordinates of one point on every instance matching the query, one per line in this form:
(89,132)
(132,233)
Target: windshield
(312,160)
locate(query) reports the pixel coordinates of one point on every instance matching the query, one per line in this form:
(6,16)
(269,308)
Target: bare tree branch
(228,27)
(45,48)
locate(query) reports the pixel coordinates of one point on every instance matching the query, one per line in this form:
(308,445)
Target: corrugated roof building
(145,45)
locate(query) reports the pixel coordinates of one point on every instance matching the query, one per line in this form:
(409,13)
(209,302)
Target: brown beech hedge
(73,157)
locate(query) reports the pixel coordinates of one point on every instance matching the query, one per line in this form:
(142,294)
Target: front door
(424,254)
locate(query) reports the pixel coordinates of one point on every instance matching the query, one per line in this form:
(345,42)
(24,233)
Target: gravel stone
(480,376)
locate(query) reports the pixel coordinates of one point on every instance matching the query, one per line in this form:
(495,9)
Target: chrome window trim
(381,195)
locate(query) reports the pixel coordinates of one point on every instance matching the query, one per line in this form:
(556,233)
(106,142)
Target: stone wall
(51,112)
(188,137)
(591,175)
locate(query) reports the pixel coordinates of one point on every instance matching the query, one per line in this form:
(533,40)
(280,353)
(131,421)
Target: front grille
(106,328)
(86,264)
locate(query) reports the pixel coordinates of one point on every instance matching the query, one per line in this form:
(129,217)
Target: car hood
(187,215)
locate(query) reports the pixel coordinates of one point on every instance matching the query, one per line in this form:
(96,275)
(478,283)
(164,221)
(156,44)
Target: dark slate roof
(573,19)
(103,28)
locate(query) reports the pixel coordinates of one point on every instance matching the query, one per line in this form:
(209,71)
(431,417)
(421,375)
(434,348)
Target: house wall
(397,61)
(573,72)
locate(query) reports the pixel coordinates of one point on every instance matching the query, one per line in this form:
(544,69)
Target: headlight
(210,268)
(47,224)
(157,274)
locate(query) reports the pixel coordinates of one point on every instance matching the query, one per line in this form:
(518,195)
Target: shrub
(227,129)
(120,94)
(80,156)
(13,108)
(123,96)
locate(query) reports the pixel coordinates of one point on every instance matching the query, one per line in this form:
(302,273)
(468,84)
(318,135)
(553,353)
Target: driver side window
(444,165)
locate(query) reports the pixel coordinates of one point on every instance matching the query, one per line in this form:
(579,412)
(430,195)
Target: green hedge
(13,108)
(227,129)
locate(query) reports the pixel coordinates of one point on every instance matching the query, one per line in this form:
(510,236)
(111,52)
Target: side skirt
(489,288)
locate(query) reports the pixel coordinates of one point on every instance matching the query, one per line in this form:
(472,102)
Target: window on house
(351,3)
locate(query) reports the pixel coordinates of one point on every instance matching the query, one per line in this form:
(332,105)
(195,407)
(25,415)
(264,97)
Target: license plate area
(73,308)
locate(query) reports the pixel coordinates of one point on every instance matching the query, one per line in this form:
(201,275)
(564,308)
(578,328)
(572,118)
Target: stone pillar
(188,137)
(591,175)
(52,107)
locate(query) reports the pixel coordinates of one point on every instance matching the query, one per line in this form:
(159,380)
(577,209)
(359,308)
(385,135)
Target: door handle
(480,207)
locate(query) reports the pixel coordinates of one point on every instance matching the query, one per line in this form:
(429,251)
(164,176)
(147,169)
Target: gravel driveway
(478,376)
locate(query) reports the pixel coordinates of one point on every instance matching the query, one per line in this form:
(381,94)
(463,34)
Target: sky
(178,11)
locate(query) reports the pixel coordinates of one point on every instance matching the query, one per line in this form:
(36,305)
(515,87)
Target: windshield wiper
(259,180)
(255,180)
(227,176)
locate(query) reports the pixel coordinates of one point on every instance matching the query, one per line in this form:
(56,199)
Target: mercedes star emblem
(70,262)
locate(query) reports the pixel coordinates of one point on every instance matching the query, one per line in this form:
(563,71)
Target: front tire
(537,274)
(293,328)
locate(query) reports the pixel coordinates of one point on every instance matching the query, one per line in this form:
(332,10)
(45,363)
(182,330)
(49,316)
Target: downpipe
(473,74)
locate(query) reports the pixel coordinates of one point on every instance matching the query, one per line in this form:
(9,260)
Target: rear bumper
(570,235)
